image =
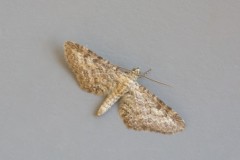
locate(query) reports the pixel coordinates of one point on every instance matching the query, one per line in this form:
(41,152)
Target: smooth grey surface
(192,45)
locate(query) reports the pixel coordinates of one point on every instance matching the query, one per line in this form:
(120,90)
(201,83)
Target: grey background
(190,44)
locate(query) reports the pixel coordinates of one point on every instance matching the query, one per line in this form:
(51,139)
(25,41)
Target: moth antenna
(157,81)
(146,72)
(144,75)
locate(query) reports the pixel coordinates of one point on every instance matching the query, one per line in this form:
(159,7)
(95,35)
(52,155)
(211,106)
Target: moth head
(136,71)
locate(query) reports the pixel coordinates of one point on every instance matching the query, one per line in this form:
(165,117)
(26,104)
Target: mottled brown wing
(93,73)
(142,110)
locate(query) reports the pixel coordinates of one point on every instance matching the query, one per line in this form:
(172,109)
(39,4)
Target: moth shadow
(59,55)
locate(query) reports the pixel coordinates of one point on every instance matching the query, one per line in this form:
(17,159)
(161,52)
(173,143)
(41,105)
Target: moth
(139,108)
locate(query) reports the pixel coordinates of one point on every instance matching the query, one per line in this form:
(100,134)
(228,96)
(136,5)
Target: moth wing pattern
(142,110)
(94,74)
